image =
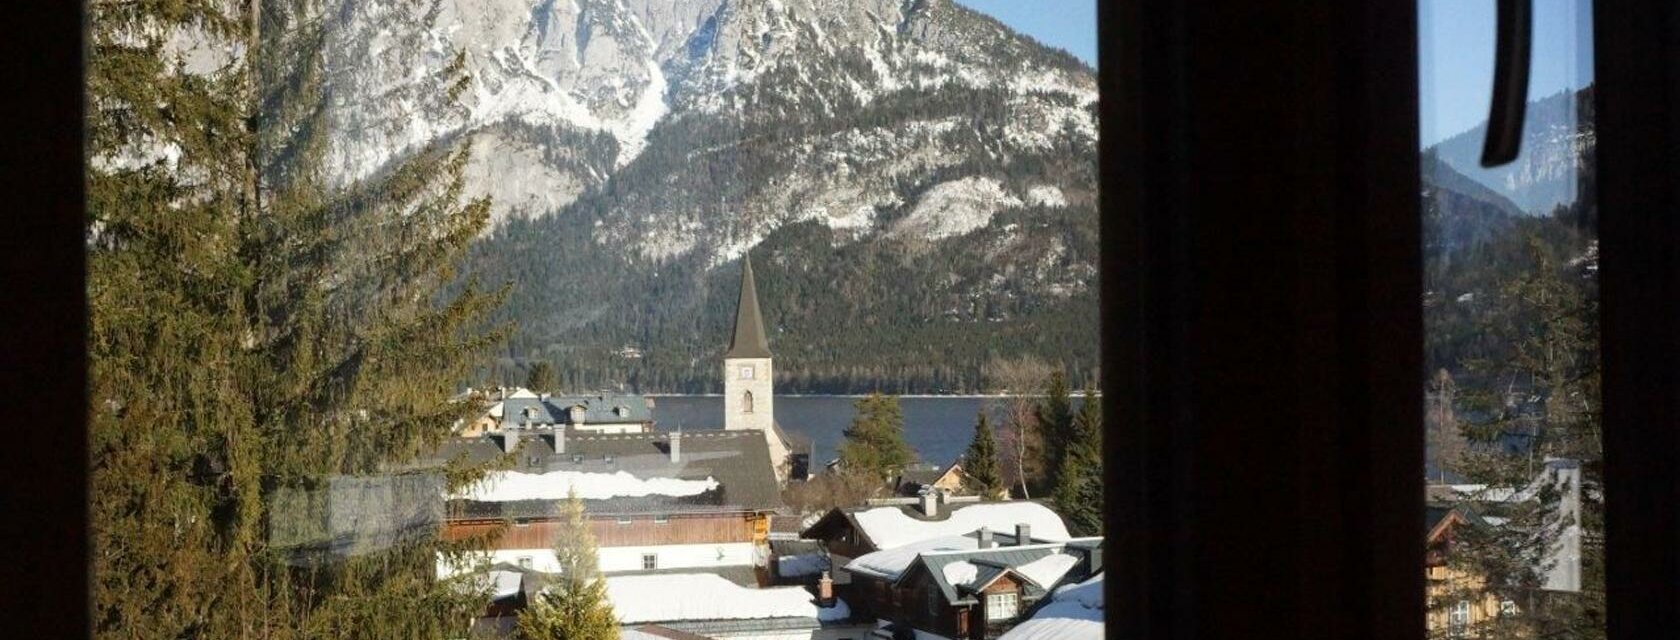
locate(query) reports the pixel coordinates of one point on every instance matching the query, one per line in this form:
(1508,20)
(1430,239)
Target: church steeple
(749,340)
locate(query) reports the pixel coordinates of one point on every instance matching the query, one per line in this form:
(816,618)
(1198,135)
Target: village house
(654,500)
(1073,612)
(946,565)
(519,408)
(1458,597)
(915,481)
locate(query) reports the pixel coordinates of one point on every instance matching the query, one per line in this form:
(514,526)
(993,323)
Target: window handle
(1514,28)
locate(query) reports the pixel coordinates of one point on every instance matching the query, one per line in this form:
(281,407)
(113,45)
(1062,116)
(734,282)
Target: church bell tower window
(746,402)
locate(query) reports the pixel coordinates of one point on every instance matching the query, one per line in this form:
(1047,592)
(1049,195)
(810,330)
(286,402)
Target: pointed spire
(749,340)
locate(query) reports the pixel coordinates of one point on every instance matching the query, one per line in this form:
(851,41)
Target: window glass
(1512,416)
(374,287)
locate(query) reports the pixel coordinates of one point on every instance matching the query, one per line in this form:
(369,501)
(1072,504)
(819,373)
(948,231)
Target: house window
(746,372)
(623,520)
(1002,606)
(650,561)
(662,519)
(1507,608)
(1459,618)
(933,603)
(524,562)
(746,402)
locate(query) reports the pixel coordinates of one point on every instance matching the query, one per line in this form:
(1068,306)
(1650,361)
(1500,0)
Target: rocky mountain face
(916,181)
(1557,139)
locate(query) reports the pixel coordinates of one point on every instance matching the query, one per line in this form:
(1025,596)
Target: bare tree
(1018,380)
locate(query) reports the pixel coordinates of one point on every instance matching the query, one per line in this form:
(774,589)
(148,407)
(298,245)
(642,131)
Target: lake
(937,427)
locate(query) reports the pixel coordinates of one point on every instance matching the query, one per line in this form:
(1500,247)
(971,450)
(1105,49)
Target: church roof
(749,340)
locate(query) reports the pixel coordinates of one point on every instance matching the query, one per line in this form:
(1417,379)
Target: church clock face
(746,372)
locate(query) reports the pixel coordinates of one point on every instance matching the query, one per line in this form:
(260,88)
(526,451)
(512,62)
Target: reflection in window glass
(383,296)
(1512,420)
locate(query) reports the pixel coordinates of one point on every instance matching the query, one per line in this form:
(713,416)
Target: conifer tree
(1055,420)
(980,462)
(574,605)
(541,377)
(254,331)
(874,444)
(1078,493)
(1548,318)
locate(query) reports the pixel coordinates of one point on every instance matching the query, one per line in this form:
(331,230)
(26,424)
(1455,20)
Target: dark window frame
(1334,60)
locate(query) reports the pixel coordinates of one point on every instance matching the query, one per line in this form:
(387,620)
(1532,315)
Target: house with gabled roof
(953,590)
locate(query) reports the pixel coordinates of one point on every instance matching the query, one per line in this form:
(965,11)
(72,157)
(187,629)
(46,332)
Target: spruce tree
(1078,494)
(255,333)
(874,444)
(574,605)
(1055,422)
(980,462)
(541,377)
(1545,392)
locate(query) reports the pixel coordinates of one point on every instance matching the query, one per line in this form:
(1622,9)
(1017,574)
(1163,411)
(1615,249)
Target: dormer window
(621,411)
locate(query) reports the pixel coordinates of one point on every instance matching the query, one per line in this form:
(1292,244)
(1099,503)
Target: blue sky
(1064,24)
(1455,49)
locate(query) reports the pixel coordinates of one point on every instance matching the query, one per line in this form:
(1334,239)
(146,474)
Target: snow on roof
(1048,570)
(892,562)
(1075,612)
(676,597)
(506,583)
(510,486)
(961,572)
(890,527)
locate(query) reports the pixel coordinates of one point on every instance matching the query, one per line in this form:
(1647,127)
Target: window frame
(650,561)
(993,600)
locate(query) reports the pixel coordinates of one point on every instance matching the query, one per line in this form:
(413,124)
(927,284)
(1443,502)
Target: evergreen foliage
(1078,493)
(1055,420)
(540,378)
(574,605)
(874,444)
(254,331)
(980,462)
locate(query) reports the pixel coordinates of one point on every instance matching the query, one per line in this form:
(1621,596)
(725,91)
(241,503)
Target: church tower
(749,400)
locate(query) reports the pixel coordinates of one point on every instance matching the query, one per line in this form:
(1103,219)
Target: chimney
(930,504)
(825,591)
(676,447)
(510,440)
(559,438)
(986,538)
(1023,534)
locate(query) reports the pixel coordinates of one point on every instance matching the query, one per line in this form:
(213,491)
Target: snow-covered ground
(509,486)
(890,527)
(703,596)
(1075,612)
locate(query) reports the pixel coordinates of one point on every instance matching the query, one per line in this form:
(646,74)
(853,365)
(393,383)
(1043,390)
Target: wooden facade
(629,532)
(918,603)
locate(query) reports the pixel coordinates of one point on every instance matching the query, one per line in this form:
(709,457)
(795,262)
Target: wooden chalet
(726,525)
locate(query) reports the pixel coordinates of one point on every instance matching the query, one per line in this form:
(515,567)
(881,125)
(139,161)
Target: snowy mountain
(636,149)
(1557,139)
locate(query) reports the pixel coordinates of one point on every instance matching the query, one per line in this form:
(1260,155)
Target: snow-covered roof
(509,486)
(1047,571)
(889,563)
(891,526)
(676,597)
(1075,612)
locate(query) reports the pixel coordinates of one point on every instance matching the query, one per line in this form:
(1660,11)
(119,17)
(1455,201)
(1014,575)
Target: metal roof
(992,562)
(749,340)
(738,460)
(598,409)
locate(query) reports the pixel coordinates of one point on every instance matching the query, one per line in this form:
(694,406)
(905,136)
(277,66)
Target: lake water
(938,427)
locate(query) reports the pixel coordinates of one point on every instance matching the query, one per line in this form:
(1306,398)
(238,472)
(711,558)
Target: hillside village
(693,538)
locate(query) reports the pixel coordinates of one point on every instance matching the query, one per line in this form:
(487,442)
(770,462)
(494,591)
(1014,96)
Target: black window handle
(1514,30)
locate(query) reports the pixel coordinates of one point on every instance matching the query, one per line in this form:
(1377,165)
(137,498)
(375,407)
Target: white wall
(617,559)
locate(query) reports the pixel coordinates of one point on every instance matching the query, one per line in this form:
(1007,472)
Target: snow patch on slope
(955,208)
